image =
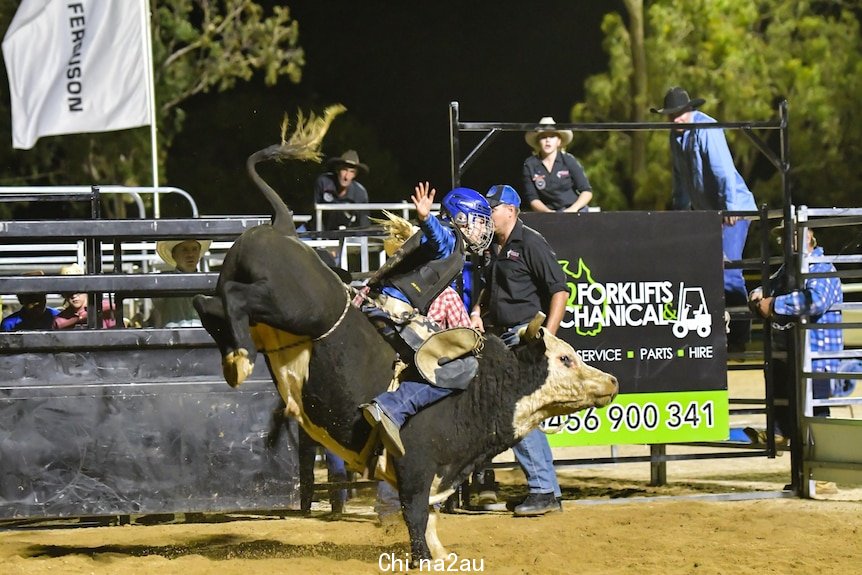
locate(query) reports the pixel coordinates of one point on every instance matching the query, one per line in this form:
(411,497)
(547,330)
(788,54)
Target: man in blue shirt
(782,308)
(705,178)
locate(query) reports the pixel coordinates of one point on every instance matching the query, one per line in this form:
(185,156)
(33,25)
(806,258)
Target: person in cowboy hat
(554,180)
(705,178)
(339,186)
(183,256)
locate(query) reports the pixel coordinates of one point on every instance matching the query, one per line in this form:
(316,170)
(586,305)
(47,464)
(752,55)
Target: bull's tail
(304,144)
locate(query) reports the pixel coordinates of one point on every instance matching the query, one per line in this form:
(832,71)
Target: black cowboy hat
(675,101)
(349,158)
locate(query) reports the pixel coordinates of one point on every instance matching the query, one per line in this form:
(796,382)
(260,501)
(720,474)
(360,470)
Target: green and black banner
(646,303)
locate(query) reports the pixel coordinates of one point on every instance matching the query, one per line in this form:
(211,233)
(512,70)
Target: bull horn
(532,331)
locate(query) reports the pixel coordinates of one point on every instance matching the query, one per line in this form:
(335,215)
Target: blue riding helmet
(471,214)
(465,200)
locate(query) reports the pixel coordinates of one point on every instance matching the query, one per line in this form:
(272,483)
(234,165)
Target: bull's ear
(531,350)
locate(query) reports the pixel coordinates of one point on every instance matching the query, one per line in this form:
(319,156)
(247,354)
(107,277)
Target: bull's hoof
(236,367)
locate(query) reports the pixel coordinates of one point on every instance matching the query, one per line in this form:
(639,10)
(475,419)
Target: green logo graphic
(582,273)
(669,311)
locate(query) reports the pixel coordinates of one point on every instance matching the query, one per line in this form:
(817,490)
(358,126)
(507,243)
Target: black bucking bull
(274,294)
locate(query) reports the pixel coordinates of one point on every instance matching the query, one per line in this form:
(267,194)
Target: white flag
(77,66)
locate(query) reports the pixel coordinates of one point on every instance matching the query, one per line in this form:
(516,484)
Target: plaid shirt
(448,310)
(814,301)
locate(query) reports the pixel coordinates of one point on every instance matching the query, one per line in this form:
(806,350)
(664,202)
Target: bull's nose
(613,387)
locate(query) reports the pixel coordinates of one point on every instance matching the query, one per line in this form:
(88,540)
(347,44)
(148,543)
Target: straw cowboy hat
(350,159)
(165,247)
(532,138)
(675,101)
(72,270)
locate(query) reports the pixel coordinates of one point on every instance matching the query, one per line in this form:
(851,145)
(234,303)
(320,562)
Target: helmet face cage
(471,214)
(476,229)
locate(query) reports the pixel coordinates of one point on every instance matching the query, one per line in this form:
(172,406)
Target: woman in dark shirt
(554,180)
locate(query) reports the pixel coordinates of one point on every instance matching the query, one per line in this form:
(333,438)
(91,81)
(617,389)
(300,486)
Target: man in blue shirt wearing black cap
(705,178)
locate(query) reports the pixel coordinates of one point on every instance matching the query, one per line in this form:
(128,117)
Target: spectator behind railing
(74,312)
(554,180)
(339,186)
(781,308)
(183,256)
(34,313)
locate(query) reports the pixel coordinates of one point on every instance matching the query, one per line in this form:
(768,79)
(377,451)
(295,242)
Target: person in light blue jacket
(705,178)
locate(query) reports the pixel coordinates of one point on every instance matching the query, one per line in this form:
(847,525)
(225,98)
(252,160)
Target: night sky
(396,66)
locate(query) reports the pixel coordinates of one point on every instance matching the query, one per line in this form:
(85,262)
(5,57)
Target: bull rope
(347,301)
(328,332)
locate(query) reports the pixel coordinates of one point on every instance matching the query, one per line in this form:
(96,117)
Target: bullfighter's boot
(515,501)
(538,504)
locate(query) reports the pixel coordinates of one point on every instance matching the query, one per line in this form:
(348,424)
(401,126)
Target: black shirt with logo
(560,187)
(521,278)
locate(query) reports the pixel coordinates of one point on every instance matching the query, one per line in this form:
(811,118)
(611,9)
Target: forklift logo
(593,305)
(693,314)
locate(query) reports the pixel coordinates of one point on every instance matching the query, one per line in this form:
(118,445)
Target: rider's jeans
(410,398)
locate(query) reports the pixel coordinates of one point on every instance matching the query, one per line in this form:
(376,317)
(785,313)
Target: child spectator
(34,313)
(74,312)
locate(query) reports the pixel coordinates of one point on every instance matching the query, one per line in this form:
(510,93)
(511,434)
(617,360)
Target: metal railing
(459,163)
(406,208)
(831,448)
(70,193)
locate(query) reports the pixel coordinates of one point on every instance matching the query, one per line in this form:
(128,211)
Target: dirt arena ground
(715,516)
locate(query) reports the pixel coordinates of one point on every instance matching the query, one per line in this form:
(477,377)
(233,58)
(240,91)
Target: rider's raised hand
(423,198)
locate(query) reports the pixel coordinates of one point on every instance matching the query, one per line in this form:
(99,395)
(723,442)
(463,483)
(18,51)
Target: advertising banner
(646,303)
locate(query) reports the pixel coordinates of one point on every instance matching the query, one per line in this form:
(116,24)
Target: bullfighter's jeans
(387,501)
(336,473)
(409,399)
(735,294)
(533,452)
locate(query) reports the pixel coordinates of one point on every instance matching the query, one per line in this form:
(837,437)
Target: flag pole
(148,51)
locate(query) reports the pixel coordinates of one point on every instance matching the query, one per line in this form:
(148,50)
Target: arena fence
(831,448)
(824,459)
(122,421)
